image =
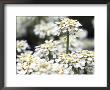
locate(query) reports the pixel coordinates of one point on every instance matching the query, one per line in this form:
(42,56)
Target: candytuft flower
(21,45)
(60,52)
(66,22)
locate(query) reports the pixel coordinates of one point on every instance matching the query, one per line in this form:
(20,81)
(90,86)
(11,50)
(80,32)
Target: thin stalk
(49,55)
(67,44)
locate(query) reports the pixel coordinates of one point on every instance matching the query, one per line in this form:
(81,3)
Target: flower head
(66,22)
(25,57)
(46,29)
(47,46)
(21,45)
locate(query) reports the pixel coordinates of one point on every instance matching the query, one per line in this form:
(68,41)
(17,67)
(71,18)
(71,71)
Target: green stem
(49,55)
(67,47)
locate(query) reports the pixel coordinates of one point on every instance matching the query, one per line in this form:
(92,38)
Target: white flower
(46,29)
(21,45)
(34,66)
(66,22)
(25,65)
(25,57)
(19,66)
(77,65)
(50,57)
(68,70)
(81,33)
(44,66)
(55,67)
(46,49)
(22,68)
(68,58)
(51,61)
(66,65)
(82,62)
(48,45)
(89,59)
(58,60)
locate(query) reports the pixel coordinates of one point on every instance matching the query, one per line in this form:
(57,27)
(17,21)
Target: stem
(67,47)
(49,55)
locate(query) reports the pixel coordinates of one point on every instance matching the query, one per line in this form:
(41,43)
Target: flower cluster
(21,45)
(78,62)
(62,56)
(68,23)
(47,27)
